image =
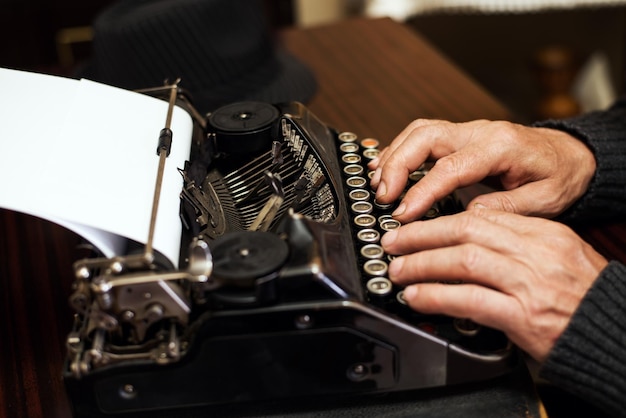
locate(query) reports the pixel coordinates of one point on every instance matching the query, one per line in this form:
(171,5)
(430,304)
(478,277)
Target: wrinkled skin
(523,275)
(542,171)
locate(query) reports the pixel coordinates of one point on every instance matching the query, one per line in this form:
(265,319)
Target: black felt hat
(222,50)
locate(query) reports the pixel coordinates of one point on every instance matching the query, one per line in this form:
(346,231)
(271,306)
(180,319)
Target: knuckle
(507,131)
(449,166)
(469,260)
(475,296)
(506,204)
(468,223)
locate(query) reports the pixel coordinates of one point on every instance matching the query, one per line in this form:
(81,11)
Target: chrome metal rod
(163,151)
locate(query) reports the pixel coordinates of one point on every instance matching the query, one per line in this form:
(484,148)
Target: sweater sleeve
(604,132)
(589,359)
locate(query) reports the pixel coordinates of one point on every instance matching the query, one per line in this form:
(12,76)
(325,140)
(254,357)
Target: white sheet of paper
(83,154)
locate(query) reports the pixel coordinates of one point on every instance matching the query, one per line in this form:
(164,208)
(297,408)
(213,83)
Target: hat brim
(282,79)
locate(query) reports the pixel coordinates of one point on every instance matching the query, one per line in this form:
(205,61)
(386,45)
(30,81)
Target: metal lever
(163,151)
(269,211)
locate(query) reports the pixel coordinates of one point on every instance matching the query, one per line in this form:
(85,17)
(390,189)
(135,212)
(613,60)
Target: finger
(405,154)
(480,304)
(467,262)
(462,168)
(476,226)
(373,164)
(406,134)
(535,199)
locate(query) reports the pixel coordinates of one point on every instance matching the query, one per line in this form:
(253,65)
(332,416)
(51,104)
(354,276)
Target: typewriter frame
(317,333)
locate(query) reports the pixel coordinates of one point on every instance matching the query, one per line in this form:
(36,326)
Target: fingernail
(381,190)
(399,210)
(389,238)
(479,205)
(374,162)
(410,292)
(395,267)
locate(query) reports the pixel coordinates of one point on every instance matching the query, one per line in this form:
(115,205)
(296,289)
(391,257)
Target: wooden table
(375,76)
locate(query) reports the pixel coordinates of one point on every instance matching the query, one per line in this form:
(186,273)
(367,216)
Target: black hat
(222,50)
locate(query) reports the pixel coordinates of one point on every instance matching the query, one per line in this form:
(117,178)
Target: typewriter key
(368,235)
(370,143)
(359,195)
(353,170)
(356,182)
(351,158)
(383,218)
(432,213)
(466,327)
(365,221)
(349,147)
(416,176)
(389,224)
(375,268)
(379,286)
(372,251)
(400,297)
(362,207)
(382,206)
(371,153)
(347,137)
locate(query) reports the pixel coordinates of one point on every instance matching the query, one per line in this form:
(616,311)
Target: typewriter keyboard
(370,220)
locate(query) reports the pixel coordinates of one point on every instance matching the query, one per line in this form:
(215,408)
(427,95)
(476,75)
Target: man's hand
(542,171)
(522,275)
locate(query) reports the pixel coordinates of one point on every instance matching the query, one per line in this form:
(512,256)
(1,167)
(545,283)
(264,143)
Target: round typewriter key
(391,257)
(389,224)
(349,147)
(365,221)
(368,235)
(376,268)
(371,153)
(432,213)
(416,176)
(466,327)
(356,182)
(351,158)
(372,251)
(379,286)
(383,218)
(347,137)
(382,206)
(359,195)
(370,143)
(353,170)
(362,207)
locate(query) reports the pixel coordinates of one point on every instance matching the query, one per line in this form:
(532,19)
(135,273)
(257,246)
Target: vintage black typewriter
(281,291)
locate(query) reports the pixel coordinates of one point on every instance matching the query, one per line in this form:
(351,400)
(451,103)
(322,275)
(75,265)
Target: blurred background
(541,58)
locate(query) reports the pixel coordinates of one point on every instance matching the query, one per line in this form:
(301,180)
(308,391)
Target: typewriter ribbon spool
(244,127)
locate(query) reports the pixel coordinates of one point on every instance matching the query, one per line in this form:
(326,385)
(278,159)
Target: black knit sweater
(589,359)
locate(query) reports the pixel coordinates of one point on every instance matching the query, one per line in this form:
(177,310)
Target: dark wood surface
(375,76)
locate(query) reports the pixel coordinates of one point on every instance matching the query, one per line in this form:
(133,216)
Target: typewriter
(281,291)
